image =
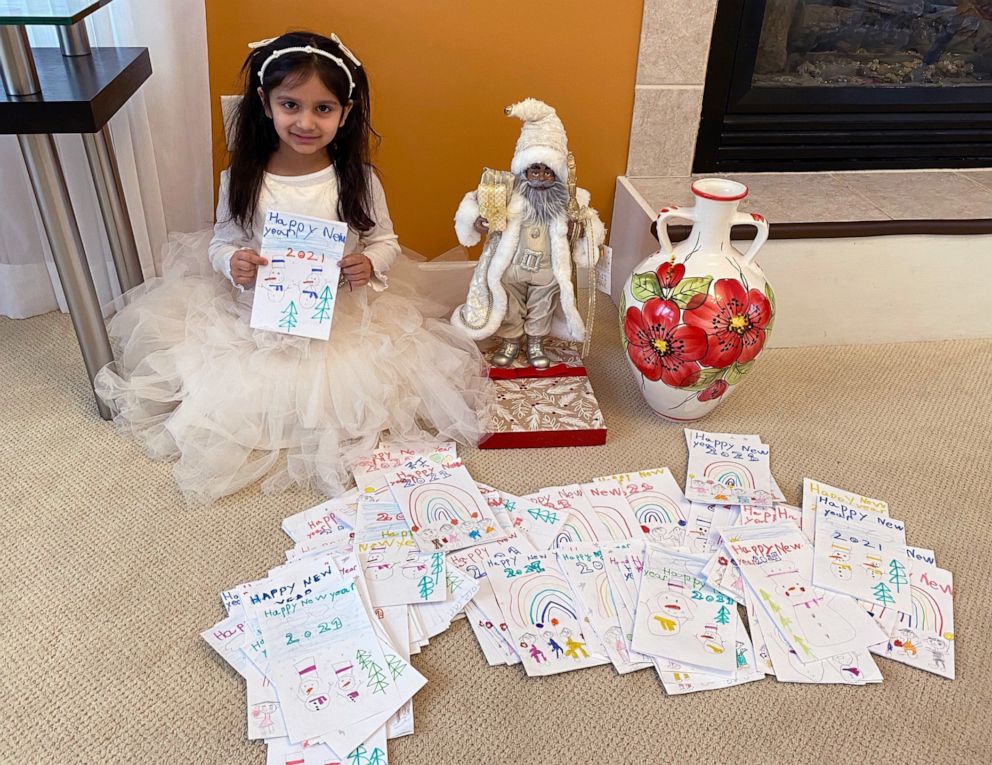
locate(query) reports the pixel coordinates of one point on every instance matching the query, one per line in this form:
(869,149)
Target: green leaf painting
(770,294)
(623,313)
(691,291)
(706,378)
(645,286)
(737,372)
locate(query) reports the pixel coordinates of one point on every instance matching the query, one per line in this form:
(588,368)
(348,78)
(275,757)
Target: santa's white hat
(542,138)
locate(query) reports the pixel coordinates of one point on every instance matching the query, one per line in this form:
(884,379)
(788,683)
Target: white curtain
(162,140)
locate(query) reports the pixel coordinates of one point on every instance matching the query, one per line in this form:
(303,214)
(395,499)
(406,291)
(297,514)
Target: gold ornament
(493,196)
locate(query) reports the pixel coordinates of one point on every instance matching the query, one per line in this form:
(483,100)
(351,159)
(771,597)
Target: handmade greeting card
(585,570)
(326,662)
(861,554)
(680,618)
(483,612)
(727,469)
(848,668)
(296,290)
(813,490)
(542,616)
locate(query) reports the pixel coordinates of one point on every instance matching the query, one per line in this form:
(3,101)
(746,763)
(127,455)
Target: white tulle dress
(193,382)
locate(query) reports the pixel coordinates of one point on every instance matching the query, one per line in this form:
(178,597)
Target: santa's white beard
(544,203)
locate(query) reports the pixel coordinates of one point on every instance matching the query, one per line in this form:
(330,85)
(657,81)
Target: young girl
(193,381)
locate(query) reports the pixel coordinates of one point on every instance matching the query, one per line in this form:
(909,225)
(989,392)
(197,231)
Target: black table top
(79,94)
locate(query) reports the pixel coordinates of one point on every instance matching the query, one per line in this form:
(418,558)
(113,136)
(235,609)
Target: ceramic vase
(694,318)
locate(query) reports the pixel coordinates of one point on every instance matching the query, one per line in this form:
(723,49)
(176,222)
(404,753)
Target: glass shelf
(47,12)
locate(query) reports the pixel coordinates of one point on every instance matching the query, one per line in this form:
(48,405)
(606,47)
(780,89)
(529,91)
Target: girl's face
(306,115)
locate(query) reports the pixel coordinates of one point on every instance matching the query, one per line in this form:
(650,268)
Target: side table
(73,89)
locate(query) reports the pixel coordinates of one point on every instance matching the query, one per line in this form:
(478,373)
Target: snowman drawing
(847,667)
(311,286)
(275,282)
(815,619)
(840,561)
(344,678)
(812,671)
(669,610)
(711,639)
(312,690)
(376,567)
(873,565)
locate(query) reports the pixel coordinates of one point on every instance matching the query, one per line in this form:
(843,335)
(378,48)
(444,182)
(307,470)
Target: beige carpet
(108,576)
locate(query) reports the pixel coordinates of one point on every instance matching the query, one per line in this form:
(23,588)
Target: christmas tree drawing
(897,575)
(396,665)
(426,587)
(322,312)
(883,594)
(288,320)
(377,678)
(543,515)
(364,658)
(723,615)
(357,757)
(437,566)
(378,757)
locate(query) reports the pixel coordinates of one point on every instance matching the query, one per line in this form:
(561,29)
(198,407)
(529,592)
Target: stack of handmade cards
(623,569)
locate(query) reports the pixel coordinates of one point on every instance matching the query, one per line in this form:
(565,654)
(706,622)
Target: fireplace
(846,85)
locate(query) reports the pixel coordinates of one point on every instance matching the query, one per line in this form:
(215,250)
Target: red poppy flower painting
(734,320)
(659,347)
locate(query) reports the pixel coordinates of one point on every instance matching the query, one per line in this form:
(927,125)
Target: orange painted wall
(441,72)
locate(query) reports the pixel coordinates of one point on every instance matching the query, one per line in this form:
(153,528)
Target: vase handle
(759,222)
(661,224)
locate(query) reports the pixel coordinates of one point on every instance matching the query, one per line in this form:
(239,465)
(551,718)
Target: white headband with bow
(312,50)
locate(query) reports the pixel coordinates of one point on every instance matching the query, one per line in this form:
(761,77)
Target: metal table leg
(48,182)
(110,192)
(74,41)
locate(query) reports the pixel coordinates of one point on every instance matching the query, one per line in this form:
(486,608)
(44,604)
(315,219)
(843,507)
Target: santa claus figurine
(536,225)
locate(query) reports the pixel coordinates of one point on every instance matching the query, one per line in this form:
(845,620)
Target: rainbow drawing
(733,475)
(926,616)
(541,600)
(653,508)
(604,599)
(431,504)
(576,528)
(615,522)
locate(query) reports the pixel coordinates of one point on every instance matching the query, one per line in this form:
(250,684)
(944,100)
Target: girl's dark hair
(255,138)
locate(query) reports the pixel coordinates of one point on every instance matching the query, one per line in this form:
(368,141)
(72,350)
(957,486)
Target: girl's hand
(356,269)
(244,266)
(481,225)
